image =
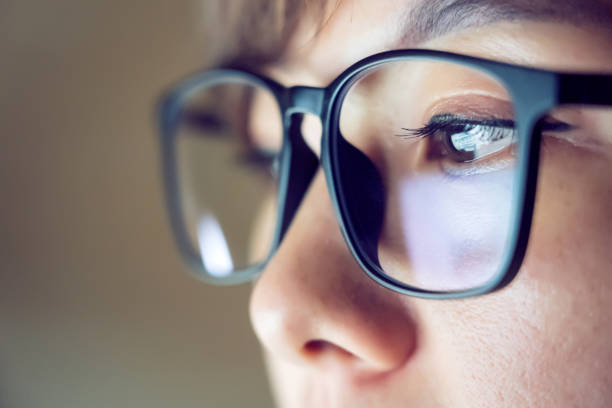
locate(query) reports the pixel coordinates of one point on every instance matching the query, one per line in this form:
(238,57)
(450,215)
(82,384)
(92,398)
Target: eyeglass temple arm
(585,89)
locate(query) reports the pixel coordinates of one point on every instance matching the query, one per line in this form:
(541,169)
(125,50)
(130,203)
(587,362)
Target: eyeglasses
(431,161)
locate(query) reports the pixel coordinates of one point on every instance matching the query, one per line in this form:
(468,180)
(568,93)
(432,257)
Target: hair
(249,33)
(253,32)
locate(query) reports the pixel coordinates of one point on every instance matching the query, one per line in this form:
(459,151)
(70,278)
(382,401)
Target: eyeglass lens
(429,170)
(443,140)
(226,173)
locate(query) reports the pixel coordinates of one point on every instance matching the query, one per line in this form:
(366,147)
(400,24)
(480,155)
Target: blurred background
(96,307)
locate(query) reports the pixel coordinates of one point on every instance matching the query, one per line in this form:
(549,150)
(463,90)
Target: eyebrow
(433,18)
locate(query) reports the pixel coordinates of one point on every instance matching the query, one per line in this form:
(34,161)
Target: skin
(335,338)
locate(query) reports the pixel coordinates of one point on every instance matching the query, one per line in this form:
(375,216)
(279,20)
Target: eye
(209,124)
(202,120)
(266,162)
(465,139)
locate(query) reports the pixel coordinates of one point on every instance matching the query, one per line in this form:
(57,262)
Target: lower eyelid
(486,165)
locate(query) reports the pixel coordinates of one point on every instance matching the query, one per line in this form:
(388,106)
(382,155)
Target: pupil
(465,141)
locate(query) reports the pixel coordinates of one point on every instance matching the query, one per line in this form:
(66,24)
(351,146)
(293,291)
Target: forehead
(344,32)
(348,30)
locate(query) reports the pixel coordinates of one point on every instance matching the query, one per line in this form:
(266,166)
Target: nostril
(337,363)
(316,346)
(319,348)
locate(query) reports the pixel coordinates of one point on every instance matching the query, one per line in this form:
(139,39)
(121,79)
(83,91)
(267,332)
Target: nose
(314,305)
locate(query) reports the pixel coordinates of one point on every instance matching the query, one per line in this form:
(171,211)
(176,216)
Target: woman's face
(333,337)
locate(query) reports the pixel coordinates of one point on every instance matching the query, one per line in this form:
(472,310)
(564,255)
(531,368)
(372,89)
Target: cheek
(546,340)
(528,345)
(570,244)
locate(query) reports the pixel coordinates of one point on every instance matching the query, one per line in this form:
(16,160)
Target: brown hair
(252,32)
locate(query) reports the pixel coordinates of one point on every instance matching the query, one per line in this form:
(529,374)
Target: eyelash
(476,138)
(260,160)
(446,121)
(256,159)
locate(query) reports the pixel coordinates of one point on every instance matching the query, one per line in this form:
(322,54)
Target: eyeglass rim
(534,92)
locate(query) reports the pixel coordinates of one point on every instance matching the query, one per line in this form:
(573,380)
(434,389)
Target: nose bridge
(306,99)
(308,306)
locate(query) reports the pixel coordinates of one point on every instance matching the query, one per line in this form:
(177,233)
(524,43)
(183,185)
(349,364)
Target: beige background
(96,308)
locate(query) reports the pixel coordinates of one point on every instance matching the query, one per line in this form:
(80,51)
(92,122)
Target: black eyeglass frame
(534,93)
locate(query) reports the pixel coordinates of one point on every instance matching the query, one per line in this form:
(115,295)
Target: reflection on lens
(452,231)
(442,139)
(227,146)
(213,247)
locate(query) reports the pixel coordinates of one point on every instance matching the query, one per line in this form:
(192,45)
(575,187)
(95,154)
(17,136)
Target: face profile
(421,194)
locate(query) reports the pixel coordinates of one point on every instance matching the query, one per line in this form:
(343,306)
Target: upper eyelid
(203,119)
(549,124)
(455,120)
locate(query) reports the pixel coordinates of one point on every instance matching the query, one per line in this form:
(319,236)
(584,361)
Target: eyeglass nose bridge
(305,99)
(299,162)
(363,185)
